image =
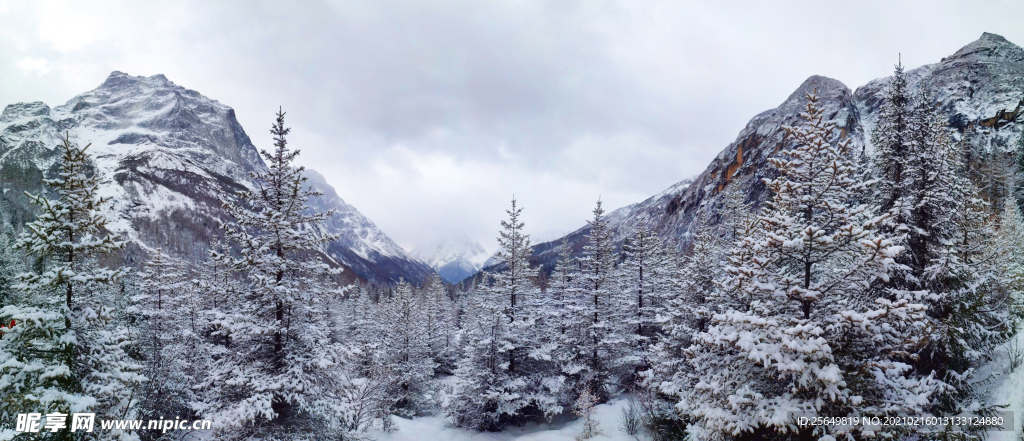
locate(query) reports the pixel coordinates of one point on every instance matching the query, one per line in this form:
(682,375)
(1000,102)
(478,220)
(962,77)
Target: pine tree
(485,397)
(969,305)
(277,367)
(1018,190)
(930,169)
(600,339)
(362,326)
(406,351)
(567,321)
(686,312)
(66,351)
(891,139)
(502,371)
(812,337)
(1008,262)
(11,264)
(643,280)
(168,321)
(440,324)
(514,286)
(945,230)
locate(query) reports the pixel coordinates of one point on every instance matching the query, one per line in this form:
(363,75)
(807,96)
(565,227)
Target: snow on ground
(436,428)
(1009,389)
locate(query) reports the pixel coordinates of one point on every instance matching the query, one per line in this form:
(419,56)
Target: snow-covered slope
(168,157)
(454,259)
(980,87)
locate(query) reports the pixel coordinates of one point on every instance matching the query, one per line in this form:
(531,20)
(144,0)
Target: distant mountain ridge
(980,87)
(167,157)
(454,259)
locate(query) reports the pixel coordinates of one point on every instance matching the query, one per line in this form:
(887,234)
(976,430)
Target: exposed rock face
(980,87)
(169,157)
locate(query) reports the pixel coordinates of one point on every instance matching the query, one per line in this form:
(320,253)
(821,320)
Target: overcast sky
(428,116)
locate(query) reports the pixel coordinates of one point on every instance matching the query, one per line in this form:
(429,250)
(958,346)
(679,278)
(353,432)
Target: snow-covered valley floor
(436,428)
(1009,389)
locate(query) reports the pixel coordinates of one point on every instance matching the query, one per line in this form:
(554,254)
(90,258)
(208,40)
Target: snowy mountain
(453,259)
(168,156)
(979,88)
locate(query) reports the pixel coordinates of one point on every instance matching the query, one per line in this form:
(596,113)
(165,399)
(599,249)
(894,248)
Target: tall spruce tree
(686,313)
(1018,190)
(440,324)
(1008,262)
(643,280)
(161,305)
(969,305)
(501,377)
(812,337)
(405,350)
(599,337)
(569,308)
(11,264)
(65,353)
(278,367)
(892,141)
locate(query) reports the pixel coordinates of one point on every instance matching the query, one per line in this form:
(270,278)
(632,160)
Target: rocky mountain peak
(826,88)
(169,157)
(990,47)
(24,110)
(119,80)
(137,114)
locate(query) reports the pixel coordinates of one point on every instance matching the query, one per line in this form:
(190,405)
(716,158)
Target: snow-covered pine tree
(278,367)
(515,287)
(566,320)
(440,324)
(969,305)
(686,312)
(66,351)
(891,139)
(931,167)
(160,304)
(1009,261)
(191,321)
(813,339)
(11,264)
(502,374)
(1019,175)
(600,339)
(642,279)
(360,324)
(479,400)
(220,286)
(406,351)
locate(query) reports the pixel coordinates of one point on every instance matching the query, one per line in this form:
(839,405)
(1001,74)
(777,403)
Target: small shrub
(584,409)
(630,419)
(1015,353)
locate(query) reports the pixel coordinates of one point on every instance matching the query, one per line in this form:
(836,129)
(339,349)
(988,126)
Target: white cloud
(37,65)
